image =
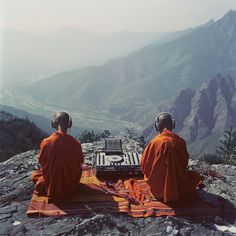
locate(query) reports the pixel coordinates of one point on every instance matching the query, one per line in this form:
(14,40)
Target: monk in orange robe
(164,163)
(61,159)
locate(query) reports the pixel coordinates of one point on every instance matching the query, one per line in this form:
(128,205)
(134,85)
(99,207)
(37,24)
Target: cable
(126,193)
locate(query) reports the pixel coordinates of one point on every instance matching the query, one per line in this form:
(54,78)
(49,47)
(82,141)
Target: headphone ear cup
(53,123)
(156,123)
(173,123)
(156,126)
(70,122)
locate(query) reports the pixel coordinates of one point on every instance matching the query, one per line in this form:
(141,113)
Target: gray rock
(202,115)
(16,190)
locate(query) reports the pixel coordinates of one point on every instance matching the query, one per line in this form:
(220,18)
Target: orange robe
(61,161)
(164,164)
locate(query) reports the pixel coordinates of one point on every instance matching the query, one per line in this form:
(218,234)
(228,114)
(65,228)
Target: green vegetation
(131,133)
(225,152)
(90,136)
(17,135)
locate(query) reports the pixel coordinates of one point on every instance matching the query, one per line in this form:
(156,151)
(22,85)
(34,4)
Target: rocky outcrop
(202,113)
(16,189)
(212,109)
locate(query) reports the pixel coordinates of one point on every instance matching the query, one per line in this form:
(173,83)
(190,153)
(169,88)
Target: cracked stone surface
(16,189)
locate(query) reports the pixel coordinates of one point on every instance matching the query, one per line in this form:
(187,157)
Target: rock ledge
(16,189)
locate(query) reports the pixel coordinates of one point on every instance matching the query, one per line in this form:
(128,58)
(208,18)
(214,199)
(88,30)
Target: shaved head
(61,119)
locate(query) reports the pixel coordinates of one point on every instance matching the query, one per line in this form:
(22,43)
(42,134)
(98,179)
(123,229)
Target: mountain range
(130,88)
(42,122)
(148,75)
(33,56)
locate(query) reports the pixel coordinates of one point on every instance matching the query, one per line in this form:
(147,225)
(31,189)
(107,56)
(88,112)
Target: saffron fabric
(164,163)
(131,197)
(61,161)
(91,195)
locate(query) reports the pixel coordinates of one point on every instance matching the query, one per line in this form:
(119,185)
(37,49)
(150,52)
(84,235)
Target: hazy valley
(34,56)
(174,73)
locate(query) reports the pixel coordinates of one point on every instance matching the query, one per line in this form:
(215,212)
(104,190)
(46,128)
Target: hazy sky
(110,15)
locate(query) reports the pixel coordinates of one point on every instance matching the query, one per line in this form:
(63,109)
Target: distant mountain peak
(229,18)
(226,27)
(210,22)
(231,13)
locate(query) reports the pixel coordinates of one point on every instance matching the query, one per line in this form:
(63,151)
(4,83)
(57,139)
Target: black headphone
(54,121)
(157,121)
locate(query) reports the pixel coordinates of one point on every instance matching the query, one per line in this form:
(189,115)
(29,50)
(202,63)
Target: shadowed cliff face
(202,113)
(212,109)
(16,189)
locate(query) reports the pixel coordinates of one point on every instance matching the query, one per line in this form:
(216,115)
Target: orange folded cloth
(132,197)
